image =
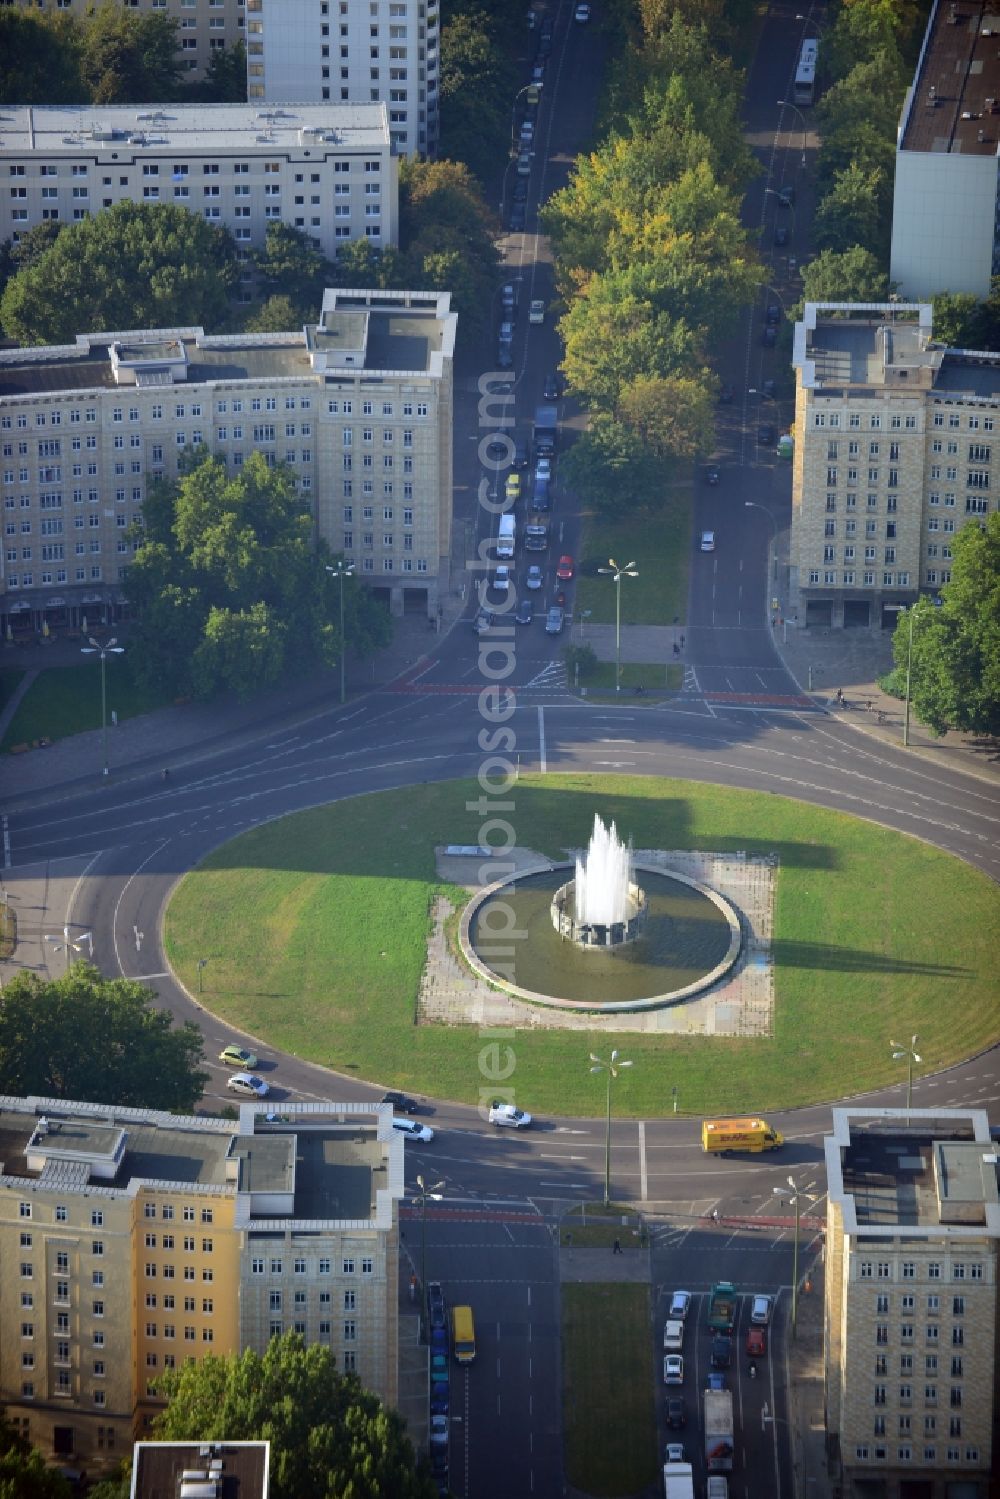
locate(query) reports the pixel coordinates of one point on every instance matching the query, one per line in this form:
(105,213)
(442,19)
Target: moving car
(773,313)
(756,1342)
(543,469)
(523,613)
(520,190)
(238,1056)
(247,1085)
(712,475)
(505,1116)
(564,572)
(413,1130)
(401,1103)
(536,312)
(767,389)
(483,621)
(554,620)
(766,434)
(501,578)
(722,1352)
(760,1311)
(781,235)
(708,541)
(516,218)
(674,1453)
(673,1368)
(680,1303)
(769,337)
(786,196)
(675,1413)
(727,393)
(512,489)
(534,578)
(554,386)
(582,14)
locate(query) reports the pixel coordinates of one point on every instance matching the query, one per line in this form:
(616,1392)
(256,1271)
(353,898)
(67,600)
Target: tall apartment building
(351,51)
(328,170)
(946,199)
(203,26)
(913,1228)
(894,448)
(132,1240)
(358,404)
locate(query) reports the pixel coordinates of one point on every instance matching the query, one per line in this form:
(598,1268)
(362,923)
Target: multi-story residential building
(913,1229)
(358,404)
(946,207)
(895,438)
(316,50)
(328,170)
(132,1240)
(203,26)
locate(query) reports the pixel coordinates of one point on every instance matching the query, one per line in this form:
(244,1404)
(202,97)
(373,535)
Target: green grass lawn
(659,545)
(608,1380)
(65,700)
(315,926)
(646,674)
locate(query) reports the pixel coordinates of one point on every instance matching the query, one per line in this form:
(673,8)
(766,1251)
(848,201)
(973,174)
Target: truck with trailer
(719,1136)
(719,1431)
(505,538)
(545,429)
(678,1481)
(722,1307)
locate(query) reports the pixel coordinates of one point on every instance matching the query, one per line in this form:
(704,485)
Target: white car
(534,577)
(536,312)
(505,1116)
(543,469)
(708,541)
(680,1304)
(414,1130)
(582,14)
(674,1453)
(673,1369)
(760,1312)
(439,1431)
(247,1085)
(501,578)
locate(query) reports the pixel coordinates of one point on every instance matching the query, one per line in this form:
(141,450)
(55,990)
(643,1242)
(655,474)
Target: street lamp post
(612,1068)
(755,505)
(341,571)
(795,1195)
(614,571)
(909,1054)
(791,206)
(104,651)
(513,146)
(787,104)
(433,1193)
(912,614)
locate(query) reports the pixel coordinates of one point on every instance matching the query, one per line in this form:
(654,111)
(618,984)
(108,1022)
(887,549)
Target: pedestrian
(840,697)
(870,705)
(683,638)
(715,1215)
(618,1246)
(677,649)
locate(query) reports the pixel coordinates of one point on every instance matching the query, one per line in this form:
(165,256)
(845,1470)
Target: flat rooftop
(955,104)
(338,1176)
(157,1468)
(181,129)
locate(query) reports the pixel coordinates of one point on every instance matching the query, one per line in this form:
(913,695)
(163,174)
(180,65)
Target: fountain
(603,906)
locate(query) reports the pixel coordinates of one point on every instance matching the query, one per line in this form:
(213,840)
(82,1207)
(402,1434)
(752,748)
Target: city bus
(805,74)
(463,1334)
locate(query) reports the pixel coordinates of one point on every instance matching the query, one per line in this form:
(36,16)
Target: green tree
(39,58)
(23,1473)
(131,266)
(290,265)
(853,212)
(611,471)
(329,1437)
(276,315)
(97,1040)
(128,57)
(956,319)
(447,228)
(225,80)
(477,84)
(853,275)
(614,333)
(673,416)
(955,665)
(240,651)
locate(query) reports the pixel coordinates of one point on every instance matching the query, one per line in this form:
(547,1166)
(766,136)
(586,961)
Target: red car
(565,569)
(756,1342)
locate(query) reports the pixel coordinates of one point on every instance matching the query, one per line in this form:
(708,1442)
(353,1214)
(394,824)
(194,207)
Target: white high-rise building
(386,51)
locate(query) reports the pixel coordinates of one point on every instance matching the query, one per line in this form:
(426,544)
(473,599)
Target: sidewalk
(806,1410)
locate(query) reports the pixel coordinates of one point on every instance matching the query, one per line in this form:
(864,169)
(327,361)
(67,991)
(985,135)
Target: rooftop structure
(239,1470)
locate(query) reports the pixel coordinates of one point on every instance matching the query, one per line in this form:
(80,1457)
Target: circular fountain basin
(690,938)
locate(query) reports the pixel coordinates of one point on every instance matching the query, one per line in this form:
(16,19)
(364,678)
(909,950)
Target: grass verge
(652,675)
(315,932)
(658,544)
(66,700)
(608,1379)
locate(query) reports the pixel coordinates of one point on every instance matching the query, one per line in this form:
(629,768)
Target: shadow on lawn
(823,955)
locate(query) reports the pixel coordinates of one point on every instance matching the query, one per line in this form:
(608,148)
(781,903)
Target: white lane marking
(642,1160)
(121,896)
(542,762)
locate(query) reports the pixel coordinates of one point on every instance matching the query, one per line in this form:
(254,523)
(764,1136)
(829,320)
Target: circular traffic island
(321,933)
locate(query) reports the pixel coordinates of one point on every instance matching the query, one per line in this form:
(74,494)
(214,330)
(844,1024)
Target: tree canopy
(23,1472)
(955,664)
(330,1438)
(99,1040)
(231,592)
(132,266)
(447,236)
(853,275)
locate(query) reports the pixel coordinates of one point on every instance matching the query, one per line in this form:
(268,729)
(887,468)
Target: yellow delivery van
(463,1334)
(721,1135)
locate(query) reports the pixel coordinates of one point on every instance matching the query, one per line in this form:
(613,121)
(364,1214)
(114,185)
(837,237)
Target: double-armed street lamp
(111,648)
(909,1054)
(612,1067)
(614,571)
(795,1195)
(341,571)
(424,1195)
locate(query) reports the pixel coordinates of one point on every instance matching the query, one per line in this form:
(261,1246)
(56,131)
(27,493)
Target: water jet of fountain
(603,877)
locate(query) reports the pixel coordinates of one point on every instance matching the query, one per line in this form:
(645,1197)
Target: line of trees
(653,264)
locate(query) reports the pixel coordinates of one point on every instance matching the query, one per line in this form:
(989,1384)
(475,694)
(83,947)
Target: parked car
(505,356)
(554,386)
(536,312)
(756,1342)
(564,571)
(712,475)
(766,434)
(540,499)
(439,1431)
(675,1413)
(708,541)
(673,1368)
(508,295)
(238,1056)
(523,613)
(440,1400)
(773,313)
(436,1304)
(519,192)
(534,577)
(680,1302)
(582,14)
(538,74)
(767,389)
(400,1103)
(414,1130)
(527,133)
(554,620)
(769,336)
(781,235)
(544,48)
(760,1310)
(524,163)
(516,219)
(247,1085)
(505,1116)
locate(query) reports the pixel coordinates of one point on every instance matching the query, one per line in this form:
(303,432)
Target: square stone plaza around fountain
(741,1004)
